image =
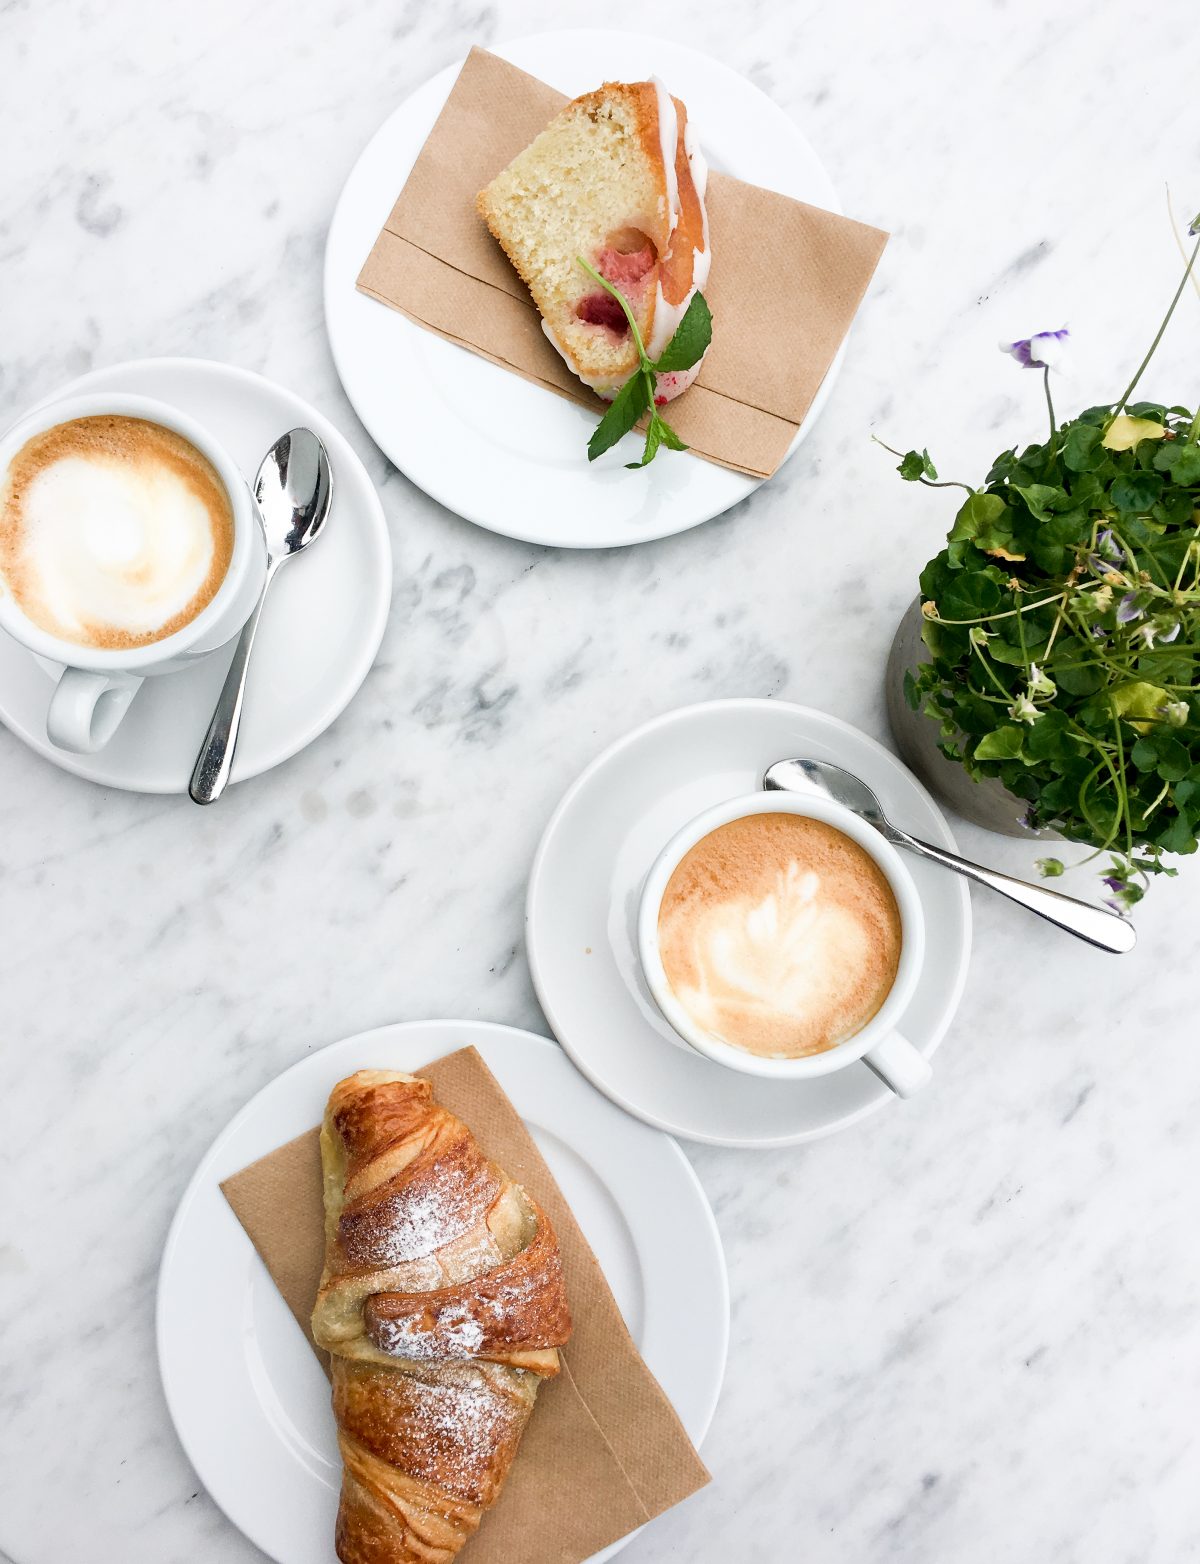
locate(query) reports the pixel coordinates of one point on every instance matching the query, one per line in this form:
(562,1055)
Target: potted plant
(1048,679)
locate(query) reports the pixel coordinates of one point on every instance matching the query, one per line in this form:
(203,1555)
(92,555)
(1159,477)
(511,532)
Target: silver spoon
(1097,925)
(293,489)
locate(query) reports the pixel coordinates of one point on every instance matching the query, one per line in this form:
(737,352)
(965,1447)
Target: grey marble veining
(965,1330)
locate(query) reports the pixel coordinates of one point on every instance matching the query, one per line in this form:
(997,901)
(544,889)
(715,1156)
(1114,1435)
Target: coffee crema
(779,935)
(114,532)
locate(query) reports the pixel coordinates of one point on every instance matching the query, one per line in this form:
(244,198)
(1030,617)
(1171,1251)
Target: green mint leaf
(653,441)
(623,302)
(658,432)
(690,341)
(630,402)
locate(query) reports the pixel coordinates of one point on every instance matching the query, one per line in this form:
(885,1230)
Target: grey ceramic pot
(986,802)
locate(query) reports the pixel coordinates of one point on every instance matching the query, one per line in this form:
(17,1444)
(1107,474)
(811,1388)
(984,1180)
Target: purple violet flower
(1114,883)
(1043,351)
(1128,610)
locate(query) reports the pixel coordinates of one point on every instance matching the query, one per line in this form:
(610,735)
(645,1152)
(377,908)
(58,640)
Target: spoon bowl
(294,490)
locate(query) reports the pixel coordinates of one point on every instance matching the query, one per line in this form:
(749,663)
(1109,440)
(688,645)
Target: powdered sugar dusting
(421,1217)
(449,1332)
(463,1420)
(495,1315)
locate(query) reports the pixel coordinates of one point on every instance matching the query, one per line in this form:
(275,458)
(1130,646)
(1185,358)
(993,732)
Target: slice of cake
(616,178)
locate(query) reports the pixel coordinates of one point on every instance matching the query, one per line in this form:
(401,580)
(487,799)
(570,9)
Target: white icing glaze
(667,316)
(668,135)
(698,165)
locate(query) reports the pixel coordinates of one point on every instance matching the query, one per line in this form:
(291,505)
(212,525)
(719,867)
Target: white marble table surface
(965,1330)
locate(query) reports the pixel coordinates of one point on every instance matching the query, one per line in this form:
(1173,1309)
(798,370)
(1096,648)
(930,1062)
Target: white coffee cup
(96,686)
(892,1057)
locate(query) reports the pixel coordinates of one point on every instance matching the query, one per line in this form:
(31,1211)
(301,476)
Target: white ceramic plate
(248,1398)
(320,630)
(506,454)
(581,918)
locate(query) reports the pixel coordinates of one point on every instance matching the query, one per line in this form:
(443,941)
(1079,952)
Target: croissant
(442,1305)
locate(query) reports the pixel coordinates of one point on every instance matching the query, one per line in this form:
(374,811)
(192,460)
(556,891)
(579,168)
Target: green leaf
(668,436)
(1005,652)
(915,465)
(1002,744)
(978,513)
(969,596)
(1136,491)
(1179,836)
(1137,701)
(1144,755)
(1081,451)
(690,341)
(658,432)
(1174,762)
(1181,458)
(912,696)
(653,441)
(1049,737)
(630,402)
(1040,497)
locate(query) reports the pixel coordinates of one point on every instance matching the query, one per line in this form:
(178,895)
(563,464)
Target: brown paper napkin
(786,277)
(604,1451)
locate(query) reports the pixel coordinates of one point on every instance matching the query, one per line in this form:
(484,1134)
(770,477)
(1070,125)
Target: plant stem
(621,300)
(930,483)
(987,668)
(1049,405)
(1159,335)
(1123,792)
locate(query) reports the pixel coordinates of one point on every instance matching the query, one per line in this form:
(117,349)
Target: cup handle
(899,1065)
(86,708)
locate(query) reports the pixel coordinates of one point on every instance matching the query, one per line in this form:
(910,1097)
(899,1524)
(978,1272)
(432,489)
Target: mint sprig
(687,346)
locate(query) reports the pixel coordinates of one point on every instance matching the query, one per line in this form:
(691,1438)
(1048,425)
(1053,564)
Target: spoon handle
(215,760)
(1097,925)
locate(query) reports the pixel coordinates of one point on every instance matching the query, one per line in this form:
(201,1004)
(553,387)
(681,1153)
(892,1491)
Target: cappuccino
(114,532)
(779,935)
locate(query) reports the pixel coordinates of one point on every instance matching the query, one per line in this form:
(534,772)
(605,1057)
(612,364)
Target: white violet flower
(1046,350)
(1039,683)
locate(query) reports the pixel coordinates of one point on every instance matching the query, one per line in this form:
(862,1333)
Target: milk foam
(114,548)
(779,953)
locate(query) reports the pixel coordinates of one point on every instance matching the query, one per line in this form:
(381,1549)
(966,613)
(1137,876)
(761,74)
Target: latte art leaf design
(779,955)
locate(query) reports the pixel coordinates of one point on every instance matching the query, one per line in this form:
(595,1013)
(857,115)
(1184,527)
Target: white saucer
(320,630)
(581,913)
(247,1396)
(506,454)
